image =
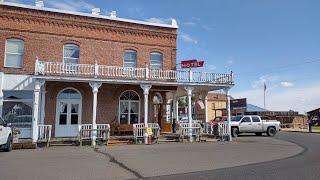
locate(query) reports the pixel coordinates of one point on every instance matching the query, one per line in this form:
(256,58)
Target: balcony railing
(118,72)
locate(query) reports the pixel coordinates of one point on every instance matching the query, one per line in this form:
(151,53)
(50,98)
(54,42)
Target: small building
(314,116)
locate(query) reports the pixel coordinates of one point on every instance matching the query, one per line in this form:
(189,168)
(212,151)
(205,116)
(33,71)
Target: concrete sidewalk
(132,161)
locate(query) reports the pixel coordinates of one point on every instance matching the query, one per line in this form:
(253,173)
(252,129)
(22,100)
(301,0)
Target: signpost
(193,63)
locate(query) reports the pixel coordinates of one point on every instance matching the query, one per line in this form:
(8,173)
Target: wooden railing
(85,131)
(139,130)
(185,130)
(118,72)
(44,133)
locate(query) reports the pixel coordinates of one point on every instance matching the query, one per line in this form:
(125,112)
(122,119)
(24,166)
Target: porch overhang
(198,86)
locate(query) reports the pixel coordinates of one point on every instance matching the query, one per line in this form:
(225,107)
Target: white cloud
(302,99)
(286,84)
(71,5)
(188,38)
(208,27)
(268,79)
(189,23)
(212,67)
(159,20)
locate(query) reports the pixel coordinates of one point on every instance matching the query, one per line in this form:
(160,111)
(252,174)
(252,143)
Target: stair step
(59,144)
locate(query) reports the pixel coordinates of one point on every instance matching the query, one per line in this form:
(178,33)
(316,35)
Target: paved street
(304,166)
(161,161)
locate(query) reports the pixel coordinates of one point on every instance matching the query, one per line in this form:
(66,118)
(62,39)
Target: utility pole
(264,95)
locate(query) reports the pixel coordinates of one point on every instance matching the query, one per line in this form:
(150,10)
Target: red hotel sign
(191,63)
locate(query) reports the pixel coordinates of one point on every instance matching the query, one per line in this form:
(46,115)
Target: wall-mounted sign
(191,63)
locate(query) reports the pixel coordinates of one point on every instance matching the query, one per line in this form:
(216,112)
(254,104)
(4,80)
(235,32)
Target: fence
(184,130)
(44,133)
(139,130)
(86,132)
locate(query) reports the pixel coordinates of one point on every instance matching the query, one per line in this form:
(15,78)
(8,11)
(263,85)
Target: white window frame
(161,65)
(5,53)
(124,58)
(129,106)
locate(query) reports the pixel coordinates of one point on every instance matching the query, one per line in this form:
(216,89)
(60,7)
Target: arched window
(129,104)
(69,94)
(14,53)
(156,60)
(130,58)
(71,54)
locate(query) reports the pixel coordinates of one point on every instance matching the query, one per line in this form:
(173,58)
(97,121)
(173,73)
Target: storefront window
(129,108)
(17,108)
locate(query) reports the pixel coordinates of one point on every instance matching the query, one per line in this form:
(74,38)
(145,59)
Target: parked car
(5,136)
(218,119)
(254,124)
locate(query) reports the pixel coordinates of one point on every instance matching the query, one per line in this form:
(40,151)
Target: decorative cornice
(77,22)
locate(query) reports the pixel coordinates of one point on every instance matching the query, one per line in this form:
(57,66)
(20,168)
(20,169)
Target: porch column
(189,90)
(227,91)
(146,88)
(174,112)
(206,108)
(36,107)
(43,101)
(95,87)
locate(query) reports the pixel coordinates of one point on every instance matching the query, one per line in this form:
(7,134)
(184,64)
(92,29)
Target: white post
(35,115)
(206,108)
(227,90)
(43,101)
(189,90)
(174,111)
(95,88)
(1,92)
(146,88)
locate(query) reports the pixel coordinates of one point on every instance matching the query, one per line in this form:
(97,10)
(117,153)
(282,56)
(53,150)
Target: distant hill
(254,108)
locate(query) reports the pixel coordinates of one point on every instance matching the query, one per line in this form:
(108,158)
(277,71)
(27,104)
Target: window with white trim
(156,60)
(71,54)
(130,58)
(17,108)
(129,104)
(14,53)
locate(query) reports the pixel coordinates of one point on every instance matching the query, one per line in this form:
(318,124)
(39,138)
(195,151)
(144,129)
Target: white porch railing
(139,130)
(85,131)
(44,133)
(223,129)
(118,72)
(184,130)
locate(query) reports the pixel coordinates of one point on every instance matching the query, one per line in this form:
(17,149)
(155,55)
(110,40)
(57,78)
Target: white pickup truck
(254,124)
(5,136)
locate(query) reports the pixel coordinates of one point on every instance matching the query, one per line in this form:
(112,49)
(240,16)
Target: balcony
(124,73)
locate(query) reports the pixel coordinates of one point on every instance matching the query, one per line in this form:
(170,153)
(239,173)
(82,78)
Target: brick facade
(100,40)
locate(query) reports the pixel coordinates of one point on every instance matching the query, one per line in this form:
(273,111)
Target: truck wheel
(234,132)
(259,134)
(271,131)
(8,146)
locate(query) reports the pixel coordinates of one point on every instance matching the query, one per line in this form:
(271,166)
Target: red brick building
(64,69)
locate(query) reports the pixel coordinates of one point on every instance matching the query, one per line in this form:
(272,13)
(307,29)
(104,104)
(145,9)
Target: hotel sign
(192,63)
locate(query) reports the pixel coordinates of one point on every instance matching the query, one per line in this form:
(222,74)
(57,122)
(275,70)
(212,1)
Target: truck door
(256,124)
(245,124)
(3,138)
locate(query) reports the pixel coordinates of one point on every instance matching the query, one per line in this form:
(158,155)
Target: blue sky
(276,42)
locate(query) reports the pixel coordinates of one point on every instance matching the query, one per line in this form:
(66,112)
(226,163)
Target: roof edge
(173,25)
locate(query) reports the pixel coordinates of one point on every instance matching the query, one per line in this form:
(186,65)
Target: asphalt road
(304,166)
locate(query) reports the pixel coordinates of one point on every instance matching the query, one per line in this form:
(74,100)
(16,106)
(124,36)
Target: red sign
(191,63)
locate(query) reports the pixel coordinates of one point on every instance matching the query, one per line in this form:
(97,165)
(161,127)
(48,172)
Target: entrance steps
(168,137)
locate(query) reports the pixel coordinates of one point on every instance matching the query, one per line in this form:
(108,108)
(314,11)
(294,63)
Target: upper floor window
(156,60)
(14,53)
(130,58)
(71,53)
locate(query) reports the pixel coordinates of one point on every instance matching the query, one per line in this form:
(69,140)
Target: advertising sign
(192,63)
